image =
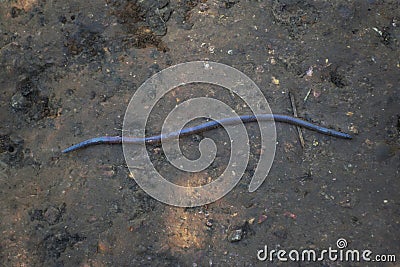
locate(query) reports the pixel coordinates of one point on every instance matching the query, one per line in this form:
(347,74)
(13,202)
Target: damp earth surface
(69,68)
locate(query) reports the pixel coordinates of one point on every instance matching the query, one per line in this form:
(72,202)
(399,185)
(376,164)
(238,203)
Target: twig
(307,95)
(293,103)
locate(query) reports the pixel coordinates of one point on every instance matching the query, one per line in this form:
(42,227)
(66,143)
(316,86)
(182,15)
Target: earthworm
(206,127)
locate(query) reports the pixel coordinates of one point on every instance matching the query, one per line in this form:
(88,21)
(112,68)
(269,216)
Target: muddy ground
(69,68)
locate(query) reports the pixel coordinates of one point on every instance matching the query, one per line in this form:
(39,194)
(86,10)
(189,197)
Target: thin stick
(293,103)
(307,95)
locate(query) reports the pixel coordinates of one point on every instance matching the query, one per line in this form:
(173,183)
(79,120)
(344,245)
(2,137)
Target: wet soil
(69,68)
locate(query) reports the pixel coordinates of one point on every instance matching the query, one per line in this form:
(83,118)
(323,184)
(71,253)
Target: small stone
(211,49)
(262,218)
(235,235)
(19,102)
(353,129)
(103,247)
(274,80)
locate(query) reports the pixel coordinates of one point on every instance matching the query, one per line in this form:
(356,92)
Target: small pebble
(274,80)
(235,235)
(19,102)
